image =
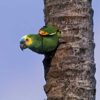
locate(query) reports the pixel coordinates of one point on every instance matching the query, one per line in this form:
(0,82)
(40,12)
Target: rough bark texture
(70,71)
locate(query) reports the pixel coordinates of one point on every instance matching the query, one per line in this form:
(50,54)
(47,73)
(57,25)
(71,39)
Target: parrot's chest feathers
(45,44)
(38,46)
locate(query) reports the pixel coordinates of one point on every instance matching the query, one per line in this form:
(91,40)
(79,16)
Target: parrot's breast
(44,45)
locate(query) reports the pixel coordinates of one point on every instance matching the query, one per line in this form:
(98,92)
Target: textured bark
(70,70)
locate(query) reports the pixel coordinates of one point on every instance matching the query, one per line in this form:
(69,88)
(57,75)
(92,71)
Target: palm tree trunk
(70,71)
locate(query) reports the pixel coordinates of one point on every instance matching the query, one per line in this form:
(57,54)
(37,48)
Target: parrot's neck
(38,45)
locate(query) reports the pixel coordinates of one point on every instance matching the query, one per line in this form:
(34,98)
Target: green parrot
(39,43)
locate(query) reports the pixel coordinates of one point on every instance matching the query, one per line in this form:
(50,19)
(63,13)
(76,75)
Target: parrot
(44,42)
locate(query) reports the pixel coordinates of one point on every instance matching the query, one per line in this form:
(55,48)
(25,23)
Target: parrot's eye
(27,40)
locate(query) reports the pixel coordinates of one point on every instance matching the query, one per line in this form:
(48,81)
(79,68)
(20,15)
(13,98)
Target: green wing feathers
(49,30)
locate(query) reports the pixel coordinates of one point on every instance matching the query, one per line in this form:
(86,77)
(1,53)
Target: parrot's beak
(22,46)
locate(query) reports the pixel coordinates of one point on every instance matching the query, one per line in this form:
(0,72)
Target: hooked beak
(22,46)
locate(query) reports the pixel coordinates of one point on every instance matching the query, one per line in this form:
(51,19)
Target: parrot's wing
(44,33)
(48,30)
(52,33)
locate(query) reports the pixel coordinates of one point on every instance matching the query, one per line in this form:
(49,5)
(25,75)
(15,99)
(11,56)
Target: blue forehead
(23,38)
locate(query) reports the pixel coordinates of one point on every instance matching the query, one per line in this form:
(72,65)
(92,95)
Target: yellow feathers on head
(28,40)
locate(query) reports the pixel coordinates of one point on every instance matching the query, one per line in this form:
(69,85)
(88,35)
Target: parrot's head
(26,42)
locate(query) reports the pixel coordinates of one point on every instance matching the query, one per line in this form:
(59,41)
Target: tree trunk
(70,71)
